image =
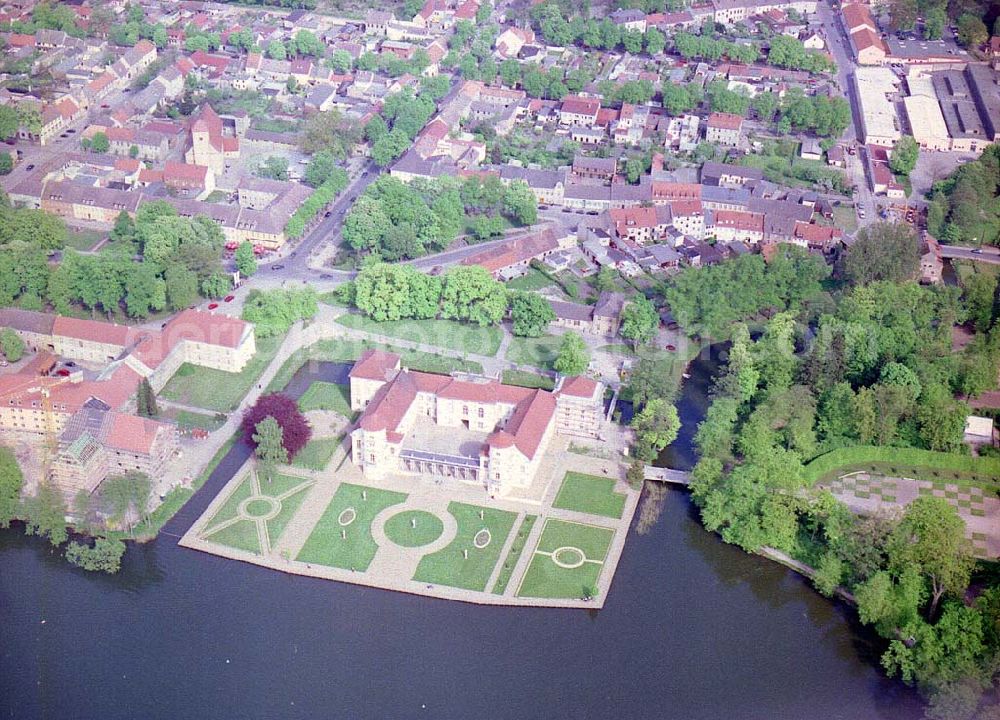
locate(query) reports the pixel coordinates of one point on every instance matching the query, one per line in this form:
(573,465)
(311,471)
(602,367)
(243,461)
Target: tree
(883,251)
(332,132)
(104,556)
(146,400)
(295,430)
(273,312)
(246,262)
(128,498)
(45,514)
(470,293)
(656,41)
(573,357)
(9,122)
(972,31)
(530,314)
(904,155)
(655,426)
(99,143)
(124,228)
(181,286)
(11,345)
(931,540)
(639,321)
(6,163)
(934,22)
(274,167)
(320,168)
(904,14)
(216,284)
(520,203)
(11,481)
(978,292)
(276,50)
(386,149)
(268,438)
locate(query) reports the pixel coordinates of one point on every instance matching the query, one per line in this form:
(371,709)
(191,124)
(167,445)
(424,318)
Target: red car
(671,348)
(63,373)
(229,298)
(212,306)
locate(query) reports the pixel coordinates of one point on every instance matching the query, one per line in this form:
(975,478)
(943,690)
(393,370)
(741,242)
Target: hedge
(319,199)
(860,456)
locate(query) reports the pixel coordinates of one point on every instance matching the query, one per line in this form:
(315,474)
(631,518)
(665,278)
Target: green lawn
(317,453)
(218,390)
(414,528)
(590,494)
(449,566)
(350,350)
(534,280)
(908,462)
(463,337)
(228,510)
(516,548)
(327,396)
(846,218)
(240,535)
(528,379)
(325,546)
(204,421)
(538,352)
(83,240)
(617,350)
(545,579)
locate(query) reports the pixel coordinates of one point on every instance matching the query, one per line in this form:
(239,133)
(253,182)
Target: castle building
(467,428)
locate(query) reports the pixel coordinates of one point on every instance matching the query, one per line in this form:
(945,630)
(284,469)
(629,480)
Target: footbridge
(667,475)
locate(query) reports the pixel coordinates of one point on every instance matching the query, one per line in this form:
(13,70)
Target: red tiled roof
(375,365)
(133,434)
(726,121)
(102,332)
(179,173)
(740,220)
(578,386)
(580,105)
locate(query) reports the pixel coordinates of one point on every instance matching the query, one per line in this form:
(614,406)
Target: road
(988,255)
(839,47)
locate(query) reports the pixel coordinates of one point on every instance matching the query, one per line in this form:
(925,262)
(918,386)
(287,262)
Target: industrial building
(873,87)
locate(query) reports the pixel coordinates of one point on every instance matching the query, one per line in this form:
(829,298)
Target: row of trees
(394,220)
(273,312)
(965,208)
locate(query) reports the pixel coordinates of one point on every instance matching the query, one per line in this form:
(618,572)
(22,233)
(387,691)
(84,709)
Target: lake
(692,628)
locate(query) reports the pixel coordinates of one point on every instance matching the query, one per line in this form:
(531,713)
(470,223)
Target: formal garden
(567,561)
(257,511)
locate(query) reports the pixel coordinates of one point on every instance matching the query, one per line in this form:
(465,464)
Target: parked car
(212,306)
(229,298)
(277,266)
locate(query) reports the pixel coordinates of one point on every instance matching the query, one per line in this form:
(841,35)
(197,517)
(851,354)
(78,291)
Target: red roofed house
(576,110)
(738,226)
(816,237)
(723,129)
(208,145)
(468,428)
(191,181)
(513,258)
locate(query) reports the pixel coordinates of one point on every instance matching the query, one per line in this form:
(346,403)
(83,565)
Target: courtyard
(557,546)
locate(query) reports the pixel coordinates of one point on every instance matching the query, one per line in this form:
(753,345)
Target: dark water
(692,629)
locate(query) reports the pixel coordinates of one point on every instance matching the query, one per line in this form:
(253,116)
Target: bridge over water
(667,475)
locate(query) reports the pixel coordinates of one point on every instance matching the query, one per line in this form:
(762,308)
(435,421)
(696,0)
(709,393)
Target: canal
(693,628)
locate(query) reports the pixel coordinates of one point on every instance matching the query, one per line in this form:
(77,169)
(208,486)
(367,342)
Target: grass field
(350,350)
(242,534)
(906,462)
(516,548)
(449,566)
(538,352)
(533,280)
(83,240)
(413,528)
(527,379)
(544,578)
(325,546)
(590,494)
(327,396)
(463,337)
(218,390)
(617,350)
(317,453)
(204,421)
